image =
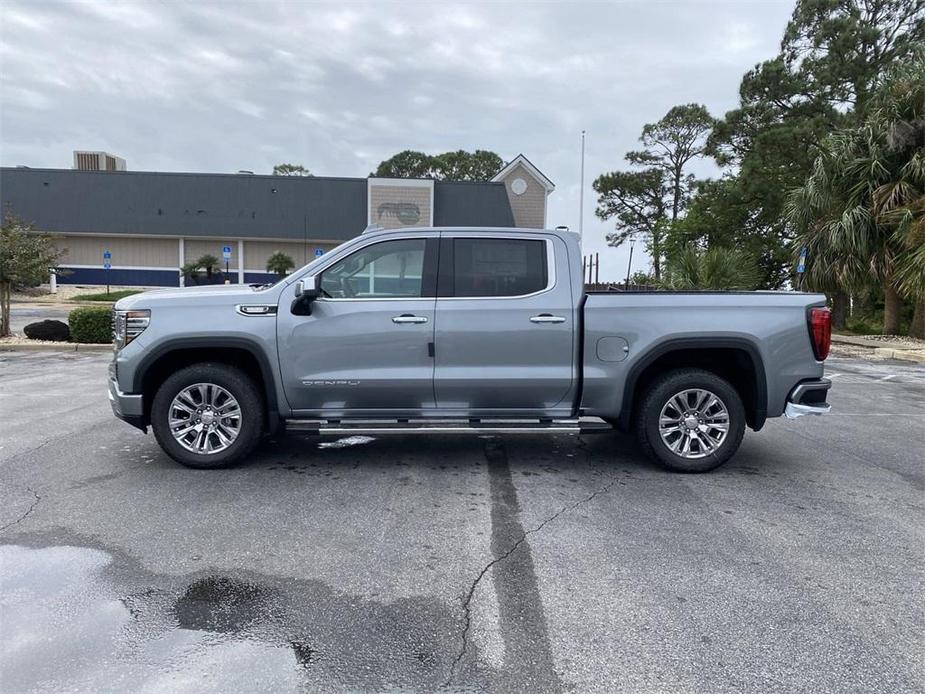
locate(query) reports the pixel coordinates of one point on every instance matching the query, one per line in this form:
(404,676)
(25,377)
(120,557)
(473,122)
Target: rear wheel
(207,415)
(690,420)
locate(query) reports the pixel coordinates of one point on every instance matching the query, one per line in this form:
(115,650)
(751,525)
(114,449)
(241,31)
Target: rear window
(498,267)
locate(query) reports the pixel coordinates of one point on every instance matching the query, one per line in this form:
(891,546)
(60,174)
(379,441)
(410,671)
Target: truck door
(505,324)
(367,344)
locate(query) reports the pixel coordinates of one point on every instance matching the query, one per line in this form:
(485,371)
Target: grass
(103,296)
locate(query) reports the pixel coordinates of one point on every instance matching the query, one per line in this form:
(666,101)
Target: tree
(291,170)
(460,165)
(637,199)
(646,201)
(860,212)
(715,268)
(25,258)
(207,263)
(280,264)
(834,54)
(670,144)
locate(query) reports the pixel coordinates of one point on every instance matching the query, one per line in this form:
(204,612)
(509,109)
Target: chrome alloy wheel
(205,418)
(693,423)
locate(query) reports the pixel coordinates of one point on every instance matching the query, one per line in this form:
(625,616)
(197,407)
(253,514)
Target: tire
(210,450)
(695,440)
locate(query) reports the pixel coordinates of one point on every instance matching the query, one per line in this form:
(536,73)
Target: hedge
(91,324)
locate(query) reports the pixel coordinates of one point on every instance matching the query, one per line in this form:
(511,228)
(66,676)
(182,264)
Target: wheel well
(176,359)
(734,364)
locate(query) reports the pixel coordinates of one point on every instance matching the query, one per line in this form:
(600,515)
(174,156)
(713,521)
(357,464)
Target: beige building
(141,228)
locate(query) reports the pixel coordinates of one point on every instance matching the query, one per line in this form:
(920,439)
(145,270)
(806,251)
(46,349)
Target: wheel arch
(737,360)
(241,353)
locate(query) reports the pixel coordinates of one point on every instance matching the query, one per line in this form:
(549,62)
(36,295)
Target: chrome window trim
(550,267)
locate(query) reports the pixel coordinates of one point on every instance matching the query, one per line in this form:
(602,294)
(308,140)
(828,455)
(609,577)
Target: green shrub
(91,324)
(111,296)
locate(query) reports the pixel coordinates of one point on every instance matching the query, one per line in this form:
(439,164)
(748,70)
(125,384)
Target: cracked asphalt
(505,563)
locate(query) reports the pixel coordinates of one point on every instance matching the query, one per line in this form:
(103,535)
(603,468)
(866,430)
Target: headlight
(127,325)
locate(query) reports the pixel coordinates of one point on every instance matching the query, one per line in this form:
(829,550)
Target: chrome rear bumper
(808,398)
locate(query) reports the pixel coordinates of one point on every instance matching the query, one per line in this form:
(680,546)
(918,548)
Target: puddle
(82,619)
(348,442)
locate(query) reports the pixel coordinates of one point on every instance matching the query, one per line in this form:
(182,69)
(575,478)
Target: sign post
(801,264)
(107,265)
(226,254)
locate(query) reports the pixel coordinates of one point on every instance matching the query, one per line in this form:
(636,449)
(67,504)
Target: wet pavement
(508,563)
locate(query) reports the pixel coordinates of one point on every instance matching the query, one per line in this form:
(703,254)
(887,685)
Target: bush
(91,324)
(111,296)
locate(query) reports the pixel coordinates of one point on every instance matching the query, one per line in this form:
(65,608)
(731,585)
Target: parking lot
(505,563)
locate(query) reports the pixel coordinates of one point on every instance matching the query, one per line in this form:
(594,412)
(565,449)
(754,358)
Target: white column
(181,256)
(240,261)
(53,281)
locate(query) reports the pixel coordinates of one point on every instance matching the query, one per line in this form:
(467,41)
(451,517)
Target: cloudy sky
(340,86)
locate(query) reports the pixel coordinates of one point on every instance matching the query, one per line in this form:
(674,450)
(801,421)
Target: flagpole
(581,192)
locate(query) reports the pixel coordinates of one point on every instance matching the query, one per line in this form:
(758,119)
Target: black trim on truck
(759,412)
(182,344)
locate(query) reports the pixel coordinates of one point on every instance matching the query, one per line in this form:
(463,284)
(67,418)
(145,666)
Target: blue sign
(226,252)
(107,255)
(801,266)
(319,252)
(106,266)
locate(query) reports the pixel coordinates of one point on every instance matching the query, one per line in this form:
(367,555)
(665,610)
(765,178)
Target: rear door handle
(547,318)
(409,318)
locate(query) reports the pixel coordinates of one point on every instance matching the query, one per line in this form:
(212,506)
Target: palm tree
(714,268)
(280,264)
(859,213)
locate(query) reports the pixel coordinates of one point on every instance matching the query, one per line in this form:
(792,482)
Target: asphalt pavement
(504,563)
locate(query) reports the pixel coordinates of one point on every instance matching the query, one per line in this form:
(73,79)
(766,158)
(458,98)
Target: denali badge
(325,382)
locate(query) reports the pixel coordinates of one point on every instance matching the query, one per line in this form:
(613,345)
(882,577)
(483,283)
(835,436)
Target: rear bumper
(129,408)
(808,397)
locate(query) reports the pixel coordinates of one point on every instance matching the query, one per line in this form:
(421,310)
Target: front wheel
(690,420)
(207,415)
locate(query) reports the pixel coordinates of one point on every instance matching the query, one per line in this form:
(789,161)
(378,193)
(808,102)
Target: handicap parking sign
(226,252)
(319,252)
(106,266)
(107,255)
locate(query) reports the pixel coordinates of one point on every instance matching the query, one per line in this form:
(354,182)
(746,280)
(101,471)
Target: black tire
(233,380)
(665,387)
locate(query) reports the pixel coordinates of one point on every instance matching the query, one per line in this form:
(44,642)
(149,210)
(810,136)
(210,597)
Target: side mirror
(306,291)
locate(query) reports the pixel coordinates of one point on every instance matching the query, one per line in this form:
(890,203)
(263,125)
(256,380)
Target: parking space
(503,563)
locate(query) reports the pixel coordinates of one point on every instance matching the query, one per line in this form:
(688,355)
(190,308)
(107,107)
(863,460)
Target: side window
(498,267)
(391,269)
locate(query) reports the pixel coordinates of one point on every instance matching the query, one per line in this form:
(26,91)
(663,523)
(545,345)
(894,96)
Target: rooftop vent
(97,161)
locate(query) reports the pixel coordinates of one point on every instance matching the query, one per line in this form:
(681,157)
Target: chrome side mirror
(306,291)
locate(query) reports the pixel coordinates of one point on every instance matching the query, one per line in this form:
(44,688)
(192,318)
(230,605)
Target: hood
(216,294)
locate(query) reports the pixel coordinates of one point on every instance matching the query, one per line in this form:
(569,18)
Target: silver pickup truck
(463,330)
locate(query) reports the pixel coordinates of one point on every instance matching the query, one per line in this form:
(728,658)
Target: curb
(53,347)
(917,356)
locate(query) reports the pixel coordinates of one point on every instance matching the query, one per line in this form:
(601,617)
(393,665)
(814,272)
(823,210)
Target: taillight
(820,331)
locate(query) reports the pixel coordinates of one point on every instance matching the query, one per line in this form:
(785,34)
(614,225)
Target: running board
(474,426)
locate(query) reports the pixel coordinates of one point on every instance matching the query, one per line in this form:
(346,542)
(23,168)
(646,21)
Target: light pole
(581,191)
(629,265)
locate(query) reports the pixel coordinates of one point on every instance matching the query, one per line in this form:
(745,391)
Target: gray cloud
(340,86)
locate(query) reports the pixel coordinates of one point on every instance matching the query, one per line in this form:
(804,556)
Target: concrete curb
(917,356)
(896,350)
(52,347)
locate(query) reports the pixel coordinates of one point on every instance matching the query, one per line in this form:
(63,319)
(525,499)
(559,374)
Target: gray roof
(245,205)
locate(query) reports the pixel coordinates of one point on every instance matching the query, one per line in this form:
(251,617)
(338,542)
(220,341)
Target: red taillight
(820,331)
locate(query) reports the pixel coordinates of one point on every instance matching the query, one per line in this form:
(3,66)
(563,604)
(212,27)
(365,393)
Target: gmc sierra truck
(463,330)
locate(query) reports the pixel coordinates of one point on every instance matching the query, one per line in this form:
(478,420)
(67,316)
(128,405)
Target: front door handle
(547,318)
(409,318)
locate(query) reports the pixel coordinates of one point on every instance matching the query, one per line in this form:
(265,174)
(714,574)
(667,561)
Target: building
(151,224)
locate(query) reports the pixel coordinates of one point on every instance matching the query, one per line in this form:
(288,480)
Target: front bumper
(808,397)
(129,408)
